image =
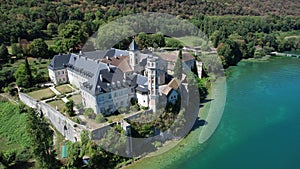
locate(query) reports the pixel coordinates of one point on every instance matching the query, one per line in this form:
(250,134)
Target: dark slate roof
(133,46)
(59,61)
(88,69)
(142,89)
(100,54)
(110,79)
(137,79)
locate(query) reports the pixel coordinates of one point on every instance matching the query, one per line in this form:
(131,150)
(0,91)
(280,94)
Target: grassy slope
(12,129)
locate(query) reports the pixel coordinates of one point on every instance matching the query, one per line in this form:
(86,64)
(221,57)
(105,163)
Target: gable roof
(59,62)
(172,85)
(119,61)
(172,56)
(100,54)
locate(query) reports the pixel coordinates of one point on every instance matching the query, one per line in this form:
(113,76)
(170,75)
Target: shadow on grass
(23,165)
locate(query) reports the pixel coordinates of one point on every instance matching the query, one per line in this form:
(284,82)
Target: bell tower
(152,82)
(133,54)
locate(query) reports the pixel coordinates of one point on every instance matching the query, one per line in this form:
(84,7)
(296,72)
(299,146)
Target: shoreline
(195,139)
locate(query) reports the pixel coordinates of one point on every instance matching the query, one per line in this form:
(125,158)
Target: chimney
(113,84)
(101,78)
(107,57)
(80,53)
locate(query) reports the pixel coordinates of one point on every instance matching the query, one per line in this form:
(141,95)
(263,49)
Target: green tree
(23,75)
(3,52)
(38,48)
(74,159)
(52,28)
(16,50)
(69,108)
(158,40)
(100,118)
(42,140)
(178,66)
(173,43)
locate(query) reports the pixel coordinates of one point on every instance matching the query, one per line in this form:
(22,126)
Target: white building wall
(143,99)
(58,76)
(89,101)
(52,76)
(76,79)
(110,102)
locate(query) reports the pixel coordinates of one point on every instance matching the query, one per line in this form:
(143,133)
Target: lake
(260,126)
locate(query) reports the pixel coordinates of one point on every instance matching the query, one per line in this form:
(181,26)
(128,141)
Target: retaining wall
(63,124)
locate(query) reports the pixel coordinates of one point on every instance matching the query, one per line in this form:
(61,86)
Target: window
(109,96)
(115,94)
(64,79)
(63,72)
(58,73)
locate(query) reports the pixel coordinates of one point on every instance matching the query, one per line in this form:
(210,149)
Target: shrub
(89,113)
(157,144)
(77,120)
(100,118)
(69,108)
(123,110)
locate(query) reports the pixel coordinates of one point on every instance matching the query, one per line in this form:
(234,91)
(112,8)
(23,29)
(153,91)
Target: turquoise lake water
(260,127)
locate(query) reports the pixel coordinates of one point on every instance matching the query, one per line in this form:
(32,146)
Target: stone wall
(97,134)
(64,125)
(29,101)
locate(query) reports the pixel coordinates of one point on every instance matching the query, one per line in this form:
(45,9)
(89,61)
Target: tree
(173,43)
(52,28)
(99,118)
(74,159)
(158,39)
(16,50)
(38,48)
(69,107)
(23,75)
(178,66)
(3,52)
(42,140)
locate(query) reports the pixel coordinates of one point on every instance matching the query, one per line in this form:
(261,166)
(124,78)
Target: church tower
(133,54)
(152,82)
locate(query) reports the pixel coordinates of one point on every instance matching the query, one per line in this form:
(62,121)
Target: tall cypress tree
(178,66)
(28,71)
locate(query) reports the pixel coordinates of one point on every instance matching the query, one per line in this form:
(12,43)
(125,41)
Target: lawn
(76,98)
(63,89)
(42,94)
(59,103)
(191,40)
(115,118)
